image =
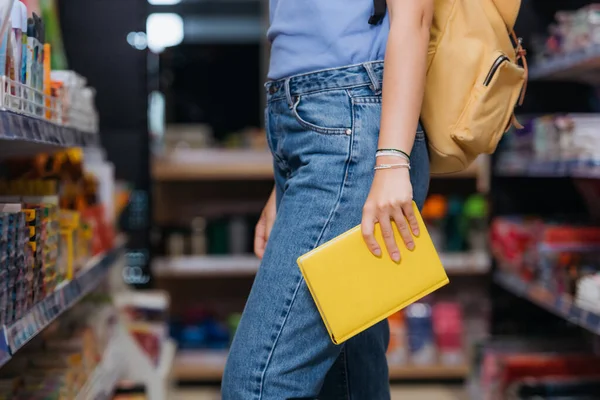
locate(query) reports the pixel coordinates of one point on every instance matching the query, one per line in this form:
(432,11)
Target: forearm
(404,72)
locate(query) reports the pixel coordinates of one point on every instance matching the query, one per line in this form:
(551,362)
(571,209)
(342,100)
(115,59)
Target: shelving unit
(22,135)
(474,263)
(561,305)
(581,66)
(208,366)
(552,169)
(213,164)
(18,334)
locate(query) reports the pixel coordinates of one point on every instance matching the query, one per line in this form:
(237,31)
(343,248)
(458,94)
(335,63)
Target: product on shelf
(425,334)
(145,317)
(573,31)
(50,224)
(553,144)
(524,369)
(63,360)
(27,84)
(555,256)
(588,293)
(456,224)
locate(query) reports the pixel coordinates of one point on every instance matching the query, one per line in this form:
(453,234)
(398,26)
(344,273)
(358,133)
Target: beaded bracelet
(387,153)
(391,166)
(395,151)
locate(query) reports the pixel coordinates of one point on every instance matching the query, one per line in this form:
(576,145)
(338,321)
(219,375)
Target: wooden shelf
(213,164)
(209,164)
(433,372)
(205,266)
(476,263)
(208,366)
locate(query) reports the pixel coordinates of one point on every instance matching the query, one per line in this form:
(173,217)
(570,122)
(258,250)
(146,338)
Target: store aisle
(412,392)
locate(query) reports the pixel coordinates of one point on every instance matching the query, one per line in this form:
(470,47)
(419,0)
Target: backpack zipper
(494,68)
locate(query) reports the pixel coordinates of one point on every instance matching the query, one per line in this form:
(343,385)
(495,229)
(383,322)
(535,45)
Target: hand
(390,199)
(264,226)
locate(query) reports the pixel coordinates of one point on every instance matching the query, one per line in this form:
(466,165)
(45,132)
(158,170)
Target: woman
(330,108)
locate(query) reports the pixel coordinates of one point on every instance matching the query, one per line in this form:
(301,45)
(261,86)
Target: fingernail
(417,232)
(410,246)
(396,256)
(377,252)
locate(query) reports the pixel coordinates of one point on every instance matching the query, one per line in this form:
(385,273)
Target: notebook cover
(354,290)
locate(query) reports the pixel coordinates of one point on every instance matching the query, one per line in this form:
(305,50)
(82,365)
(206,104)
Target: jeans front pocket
(327,112)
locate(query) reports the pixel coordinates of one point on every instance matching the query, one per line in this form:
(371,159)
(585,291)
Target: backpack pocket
(490,107)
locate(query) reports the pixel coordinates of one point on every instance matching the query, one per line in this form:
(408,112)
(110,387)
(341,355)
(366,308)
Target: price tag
(27,128)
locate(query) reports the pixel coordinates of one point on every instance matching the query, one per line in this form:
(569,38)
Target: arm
(403,86)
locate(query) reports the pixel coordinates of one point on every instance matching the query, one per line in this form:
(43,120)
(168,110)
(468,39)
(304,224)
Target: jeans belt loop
(375,85)
(288,93)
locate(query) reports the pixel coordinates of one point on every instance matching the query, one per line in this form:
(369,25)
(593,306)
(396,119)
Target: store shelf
(197,365)
(550,169)
(212,164)
(18,334)
(246,265)
(205,266)
(431,372)
(579,66)
(207,164)
(561,305)
(467,263)
(22,135)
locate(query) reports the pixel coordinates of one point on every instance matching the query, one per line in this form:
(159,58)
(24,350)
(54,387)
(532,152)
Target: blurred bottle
(198,239)
(397,351)
(475,212)
(421,340)
(237,235)
(433,214)
(454,228)
(176,244)
(448,327)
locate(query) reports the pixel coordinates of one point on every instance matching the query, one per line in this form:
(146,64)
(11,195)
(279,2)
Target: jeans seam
(301,280)
(346,380)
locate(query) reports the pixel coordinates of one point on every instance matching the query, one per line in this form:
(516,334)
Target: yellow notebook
(354,290)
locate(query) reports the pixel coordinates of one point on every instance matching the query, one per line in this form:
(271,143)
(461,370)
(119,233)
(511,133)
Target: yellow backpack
(474,79)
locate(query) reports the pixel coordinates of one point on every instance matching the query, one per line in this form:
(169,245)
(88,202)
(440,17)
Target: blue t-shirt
(310,35)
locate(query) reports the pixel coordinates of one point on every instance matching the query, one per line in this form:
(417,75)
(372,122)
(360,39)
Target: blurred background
(134,167)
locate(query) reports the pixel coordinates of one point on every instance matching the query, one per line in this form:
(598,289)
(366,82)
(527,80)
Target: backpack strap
(378,13)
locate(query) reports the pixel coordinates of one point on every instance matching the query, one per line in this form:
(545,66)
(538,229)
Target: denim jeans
(323,130)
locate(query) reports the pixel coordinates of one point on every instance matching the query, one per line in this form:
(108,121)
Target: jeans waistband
(370,73)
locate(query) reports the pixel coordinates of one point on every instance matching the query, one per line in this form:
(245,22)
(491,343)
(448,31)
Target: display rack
(469,263)
(561,305)
(580,66)
(23,135)
(16,335)
(550,169)
(208,366)
(214,164)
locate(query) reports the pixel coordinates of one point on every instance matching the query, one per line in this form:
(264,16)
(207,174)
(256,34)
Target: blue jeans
(322,129)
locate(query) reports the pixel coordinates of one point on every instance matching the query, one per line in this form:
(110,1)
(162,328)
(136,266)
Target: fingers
(409,213)
(260,238)
(388,236)
(368,230)
(404,229)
